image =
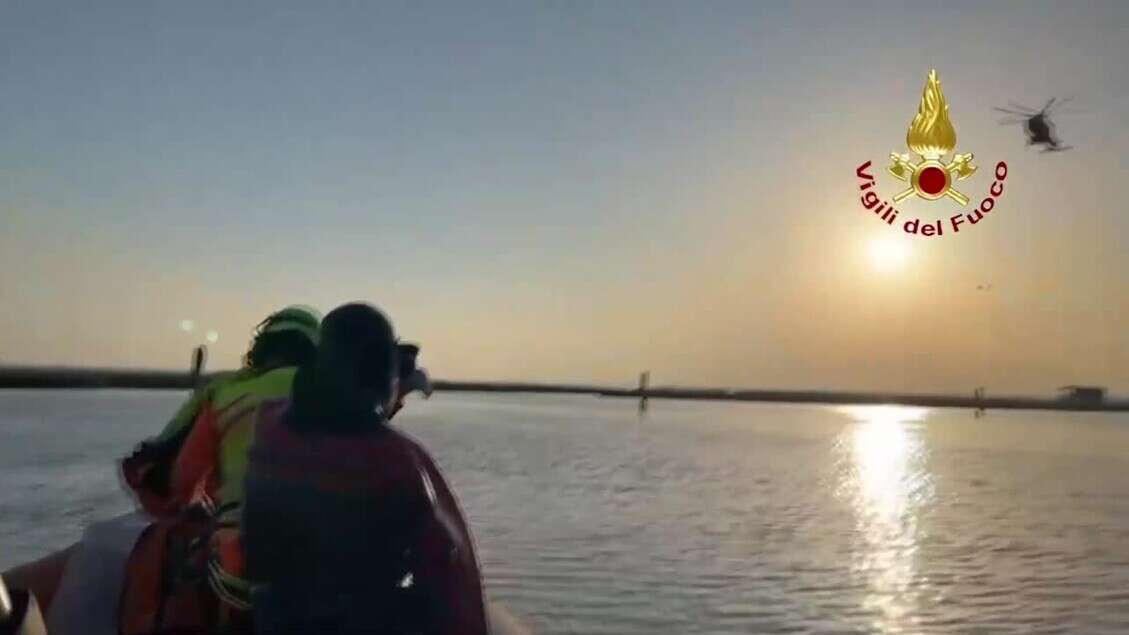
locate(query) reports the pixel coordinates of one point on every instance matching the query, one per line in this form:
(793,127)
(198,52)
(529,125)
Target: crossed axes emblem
(958,169)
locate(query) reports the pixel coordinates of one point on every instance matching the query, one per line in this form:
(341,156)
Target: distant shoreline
(44,377)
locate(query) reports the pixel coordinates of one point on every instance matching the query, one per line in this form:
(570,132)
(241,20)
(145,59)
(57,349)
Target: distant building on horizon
(1083,394)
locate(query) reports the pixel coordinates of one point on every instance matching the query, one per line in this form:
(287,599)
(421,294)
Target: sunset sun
(888,254)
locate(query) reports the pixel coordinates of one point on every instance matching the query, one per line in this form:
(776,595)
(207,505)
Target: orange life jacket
(166,588)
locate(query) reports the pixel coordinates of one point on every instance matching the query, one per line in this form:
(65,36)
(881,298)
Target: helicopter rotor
(1014,112)
(1057,105)
(1020,107)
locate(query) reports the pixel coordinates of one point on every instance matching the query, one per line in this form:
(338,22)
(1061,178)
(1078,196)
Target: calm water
(704,518)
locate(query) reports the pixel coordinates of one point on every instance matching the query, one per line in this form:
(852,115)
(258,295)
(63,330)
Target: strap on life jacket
(169,581)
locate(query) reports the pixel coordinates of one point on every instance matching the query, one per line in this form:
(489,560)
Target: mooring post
(199,358)
(644,379)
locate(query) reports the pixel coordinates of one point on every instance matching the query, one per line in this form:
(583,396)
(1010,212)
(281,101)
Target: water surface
(704,518)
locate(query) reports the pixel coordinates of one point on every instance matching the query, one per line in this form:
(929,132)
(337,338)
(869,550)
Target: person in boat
(349,525)
(94,599)
(211,467)
(208,478)
(202,450)
(191,461)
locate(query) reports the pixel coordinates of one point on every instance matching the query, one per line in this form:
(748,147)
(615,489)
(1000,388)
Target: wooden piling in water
(199,359)
(644,380)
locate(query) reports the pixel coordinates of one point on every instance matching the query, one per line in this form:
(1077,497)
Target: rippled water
(705,518)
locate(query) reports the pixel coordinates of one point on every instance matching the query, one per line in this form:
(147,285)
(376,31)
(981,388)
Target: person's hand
(418,381)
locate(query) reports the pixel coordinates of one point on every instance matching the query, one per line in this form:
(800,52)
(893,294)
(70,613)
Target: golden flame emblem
(932,136)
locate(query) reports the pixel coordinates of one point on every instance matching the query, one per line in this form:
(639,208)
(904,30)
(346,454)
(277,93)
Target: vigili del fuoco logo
(931,137)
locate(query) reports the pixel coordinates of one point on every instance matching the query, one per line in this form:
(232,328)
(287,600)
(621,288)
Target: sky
(565,191)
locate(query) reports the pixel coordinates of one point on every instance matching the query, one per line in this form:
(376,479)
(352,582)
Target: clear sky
(564,190)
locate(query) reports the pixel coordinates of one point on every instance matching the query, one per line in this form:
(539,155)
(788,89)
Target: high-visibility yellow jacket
(212,463)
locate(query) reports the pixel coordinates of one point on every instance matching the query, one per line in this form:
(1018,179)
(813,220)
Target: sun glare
(889,484)
(888,254)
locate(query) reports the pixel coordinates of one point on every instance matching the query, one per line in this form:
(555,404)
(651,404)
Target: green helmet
(298,318)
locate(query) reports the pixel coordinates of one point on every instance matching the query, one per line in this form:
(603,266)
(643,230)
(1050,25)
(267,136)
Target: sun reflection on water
(887,482)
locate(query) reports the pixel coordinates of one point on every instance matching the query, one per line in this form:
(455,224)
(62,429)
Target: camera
(407,354)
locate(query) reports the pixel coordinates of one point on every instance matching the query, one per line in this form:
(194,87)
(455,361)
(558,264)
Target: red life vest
(384,465)
(166,587)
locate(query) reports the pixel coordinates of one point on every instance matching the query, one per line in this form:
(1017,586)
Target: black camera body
(407,354)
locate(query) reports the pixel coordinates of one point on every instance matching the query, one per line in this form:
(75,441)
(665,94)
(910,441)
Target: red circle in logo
(932,180)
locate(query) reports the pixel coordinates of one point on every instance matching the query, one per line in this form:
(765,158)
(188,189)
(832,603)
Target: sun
(888,254)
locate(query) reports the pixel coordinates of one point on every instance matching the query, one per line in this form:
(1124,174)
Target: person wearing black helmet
(349,526)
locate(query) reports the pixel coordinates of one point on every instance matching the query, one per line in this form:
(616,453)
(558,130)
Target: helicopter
(1037,124)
